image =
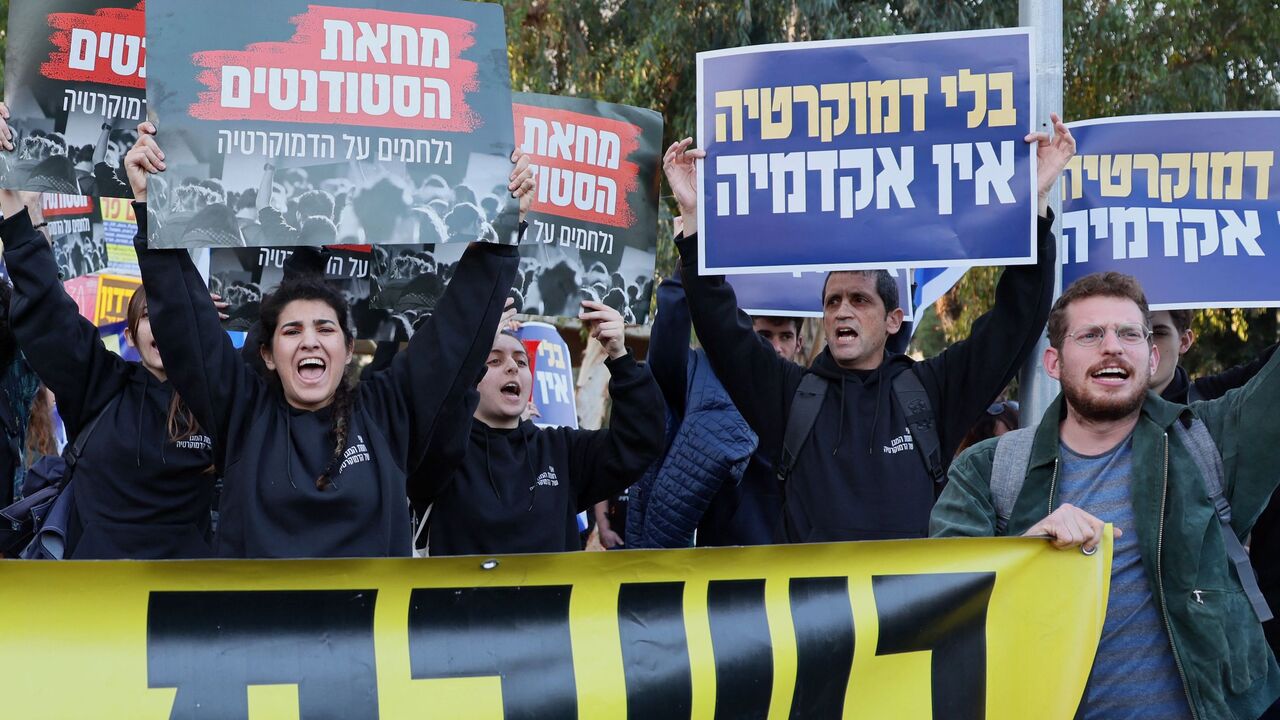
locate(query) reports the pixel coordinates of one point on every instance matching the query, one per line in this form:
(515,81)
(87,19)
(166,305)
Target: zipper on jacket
(1053,485)
(1164,607)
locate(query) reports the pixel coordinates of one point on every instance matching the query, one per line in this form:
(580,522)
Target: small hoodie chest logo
(548,478)
(354,455)
(900,443)
(195,442)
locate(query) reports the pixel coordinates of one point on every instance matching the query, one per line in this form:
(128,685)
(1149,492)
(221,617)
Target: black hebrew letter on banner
(655,650)
(945,613)
(212,646)
(742,647)
(823,620)
(520,634)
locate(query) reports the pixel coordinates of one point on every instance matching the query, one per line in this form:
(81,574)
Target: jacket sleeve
(63,347)
(758,381)
(202,363)
(965,508)
(1243,424)
(1215,386)
(970,374)
(605,462)
(427,383)
(669,344)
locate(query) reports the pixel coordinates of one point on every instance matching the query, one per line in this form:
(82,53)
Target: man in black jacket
(859,476)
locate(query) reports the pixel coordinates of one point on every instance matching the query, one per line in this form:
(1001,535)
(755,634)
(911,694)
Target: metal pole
(1037,389)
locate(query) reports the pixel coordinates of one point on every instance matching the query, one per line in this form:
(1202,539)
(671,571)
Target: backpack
(1009,471)
(39,522)
(911,396)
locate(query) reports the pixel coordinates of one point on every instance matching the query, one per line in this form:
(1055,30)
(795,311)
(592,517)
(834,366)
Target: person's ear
(267,358)
(1052,363)
(1155,357)
(1186,341)
(351,350)
(893,321)
(128,337)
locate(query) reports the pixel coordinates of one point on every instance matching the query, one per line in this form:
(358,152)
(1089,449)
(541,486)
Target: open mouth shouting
(1111,374)
(311,370)
(512,390)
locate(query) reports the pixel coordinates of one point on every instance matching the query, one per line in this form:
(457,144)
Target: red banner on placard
(363,67)
(107,47)
(581,162)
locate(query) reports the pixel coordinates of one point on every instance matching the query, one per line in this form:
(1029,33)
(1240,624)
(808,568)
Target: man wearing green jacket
(1180,639)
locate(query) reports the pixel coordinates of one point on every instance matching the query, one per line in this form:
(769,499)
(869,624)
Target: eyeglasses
(1127,333)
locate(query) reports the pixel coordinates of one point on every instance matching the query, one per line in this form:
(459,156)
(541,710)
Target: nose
(310,339)
(1111,344)
(778,346)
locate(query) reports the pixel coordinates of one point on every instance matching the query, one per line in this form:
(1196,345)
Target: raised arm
(604,462)
(62,345)
(1215,386)
(199,357)
(669,344)
(758,381)
(200,360)
(967,376)
(447,352)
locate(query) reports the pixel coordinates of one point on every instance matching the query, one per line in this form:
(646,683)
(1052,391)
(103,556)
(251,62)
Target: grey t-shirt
(1134,675)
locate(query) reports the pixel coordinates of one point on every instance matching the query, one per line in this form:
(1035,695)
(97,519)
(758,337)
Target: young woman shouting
(312,466)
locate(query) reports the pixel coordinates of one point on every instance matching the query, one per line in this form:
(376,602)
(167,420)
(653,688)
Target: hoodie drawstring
(142,404)
(488,465)
(875,419)
(288,448)
(840,424)
(533,473)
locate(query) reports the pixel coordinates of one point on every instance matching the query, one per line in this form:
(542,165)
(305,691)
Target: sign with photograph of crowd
(75,77)
(355,121)
(593,226)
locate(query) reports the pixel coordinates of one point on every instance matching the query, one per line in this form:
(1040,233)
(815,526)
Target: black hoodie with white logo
(139,494)
(270,453)
(859,476)
(518,490)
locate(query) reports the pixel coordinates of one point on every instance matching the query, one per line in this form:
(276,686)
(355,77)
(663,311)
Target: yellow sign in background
(79,632)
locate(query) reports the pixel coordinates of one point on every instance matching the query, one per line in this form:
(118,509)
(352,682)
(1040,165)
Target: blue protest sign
(1182,202)
(881,152)
(552,375)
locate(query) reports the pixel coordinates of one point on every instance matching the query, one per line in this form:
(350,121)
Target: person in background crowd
(860,474)
(143,488)
(312,466)
(1180,638)
(19,386)
(1000,418)
(519,487)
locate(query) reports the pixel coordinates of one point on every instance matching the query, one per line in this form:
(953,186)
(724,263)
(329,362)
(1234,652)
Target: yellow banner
(959,628)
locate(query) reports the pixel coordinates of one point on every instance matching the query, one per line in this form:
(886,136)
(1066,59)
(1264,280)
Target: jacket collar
(1044,449)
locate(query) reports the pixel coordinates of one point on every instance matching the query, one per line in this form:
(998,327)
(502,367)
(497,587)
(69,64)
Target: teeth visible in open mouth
(845,332)
(1112,372)
(311,362)
(511,388)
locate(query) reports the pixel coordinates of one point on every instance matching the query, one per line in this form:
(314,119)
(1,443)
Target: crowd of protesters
(737,443)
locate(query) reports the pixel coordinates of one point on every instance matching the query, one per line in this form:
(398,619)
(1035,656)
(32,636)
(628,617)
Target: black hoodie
(270,454)
(859,476)
(518,490)
(139,494)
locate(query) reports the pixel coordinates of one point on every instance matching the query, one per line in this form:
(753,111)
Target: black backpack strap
(71,454)
(804,412)
(921,421)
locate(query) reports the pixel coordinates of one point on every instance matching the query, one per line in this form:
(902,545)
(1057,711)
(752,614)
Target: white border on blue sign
(881,40)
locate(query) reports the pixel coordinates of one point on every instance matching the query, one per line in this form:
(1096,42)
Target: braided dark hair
(306,286)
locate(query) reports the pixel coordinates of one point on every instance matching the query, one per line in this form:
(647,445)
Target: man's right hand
(1069,526)
(143,159)
(680,165)
(6,133)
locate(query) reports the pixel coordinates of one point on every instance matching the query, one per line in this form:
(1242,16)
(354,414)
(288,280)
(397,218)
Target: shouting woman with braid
(312,466)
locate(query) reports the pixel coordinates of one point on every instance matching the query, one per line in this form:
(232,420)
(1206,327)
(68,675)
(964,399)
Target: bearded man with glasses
(1182,636)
